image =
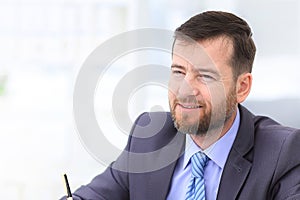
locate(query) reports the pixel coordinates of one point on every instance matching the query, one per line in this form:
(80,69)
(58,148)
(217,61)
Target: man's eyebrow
(199,69)
(177,66)
(207,70)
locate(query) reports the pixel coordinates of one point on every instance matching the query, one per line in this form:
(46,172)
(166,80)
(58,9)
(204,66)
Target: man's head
(213,24)
(212,60)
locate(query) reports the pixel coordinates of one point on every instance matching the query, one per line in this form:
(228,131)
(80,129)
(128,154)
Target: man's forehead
(192,53)
(202,52)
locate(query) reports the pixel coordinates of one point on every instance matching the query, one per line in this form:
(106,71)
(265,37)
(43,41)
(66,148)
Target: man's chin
(192,131)
(188,121)
(186,128)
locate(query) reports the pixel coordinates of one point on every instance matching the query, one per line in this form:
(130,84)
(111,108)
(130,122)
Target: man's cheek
(173,87)
(216,92)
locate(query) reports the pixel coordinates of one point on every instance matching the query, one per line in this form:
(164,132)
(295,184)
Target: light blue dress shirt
(217,153)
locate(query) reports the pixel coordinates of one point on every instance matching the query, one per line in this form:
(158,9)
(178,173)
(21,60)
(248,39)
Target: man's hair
(214,24)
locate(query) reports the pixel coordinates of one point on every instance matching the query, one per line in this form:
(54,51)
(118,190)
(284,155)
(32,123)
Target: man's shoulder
(147,118)
(264,134)
(152,131)
(267,126)
(275,142)
(153,122)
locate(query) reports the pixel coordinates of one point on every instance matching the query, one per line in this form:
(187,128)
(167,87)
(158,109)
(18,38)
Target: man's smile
(189,106)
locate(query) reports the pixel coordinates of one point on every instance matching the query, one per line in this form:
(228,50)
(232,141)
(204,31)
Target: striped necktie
(196,188)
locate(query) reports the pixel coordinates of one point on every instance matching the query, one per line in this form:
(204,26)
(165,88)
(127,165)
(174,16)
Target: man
(209,146)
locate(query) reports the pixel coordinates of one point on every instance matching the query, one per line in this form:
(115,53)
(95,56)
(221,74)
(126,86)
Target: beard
(214,115)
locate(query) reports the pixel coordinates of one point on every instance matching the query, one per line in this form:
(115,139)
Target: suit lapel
(237,166)
(234,175)
(161,179)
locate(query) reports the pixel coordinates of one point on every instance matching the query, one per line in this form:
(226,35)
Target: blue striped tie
(196,188)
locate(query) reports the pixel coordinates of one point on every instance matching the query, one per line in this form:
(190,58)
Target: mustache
(188,100)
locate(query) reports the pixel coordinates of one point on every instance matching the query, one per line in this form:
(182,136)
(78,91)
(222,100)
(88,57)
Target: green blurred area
(3,80)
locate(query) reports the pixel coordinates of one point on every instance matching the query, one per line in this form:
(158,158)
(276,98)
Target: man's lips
(189,106)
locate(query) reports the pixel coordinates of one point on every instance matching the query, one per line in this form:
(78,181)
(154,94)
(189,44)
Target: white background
(43,43)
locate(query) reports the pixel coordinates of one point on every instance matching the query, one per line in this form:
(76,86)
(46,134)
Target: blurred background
(43,44)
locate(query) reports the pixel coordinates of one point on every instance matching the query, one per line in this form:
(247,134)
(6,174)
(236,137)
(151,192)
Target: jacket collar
(237,166)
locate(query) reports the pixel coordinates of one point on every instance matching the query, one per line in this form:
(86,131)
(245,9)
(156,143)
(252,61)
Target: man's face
(202,91)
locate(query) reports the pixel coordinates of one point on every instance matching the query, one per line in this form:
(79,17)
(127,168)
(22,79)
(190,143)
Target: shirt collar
(217,152)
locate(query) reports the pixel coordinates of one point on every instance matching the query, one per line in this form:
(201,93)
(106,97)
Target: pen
(69,193)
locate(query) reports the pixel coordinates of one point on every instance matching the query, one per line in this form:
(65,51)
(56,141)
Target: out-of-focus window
(43,44)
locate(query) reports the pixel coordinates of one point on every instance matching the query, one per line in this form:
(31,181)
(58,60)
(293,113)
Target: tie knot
(198,161)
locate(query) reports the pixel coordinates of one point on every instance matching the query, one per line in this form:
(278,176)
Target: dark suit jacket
(264,162)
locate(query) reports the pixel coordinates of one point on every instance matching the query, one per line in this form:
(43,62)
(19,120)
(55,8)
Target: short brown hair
(213,24)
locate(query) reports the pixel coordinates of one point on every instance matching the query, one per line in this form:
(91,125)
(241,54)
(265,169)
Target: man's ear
(243,86)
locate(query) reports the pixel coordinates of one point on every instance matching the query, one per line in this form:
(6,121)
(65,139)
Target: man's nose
(188,87)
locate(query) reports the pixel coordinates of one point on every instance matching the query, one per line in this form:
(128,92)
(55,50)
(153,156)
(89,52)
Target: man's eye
(177,72)
(206,78)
